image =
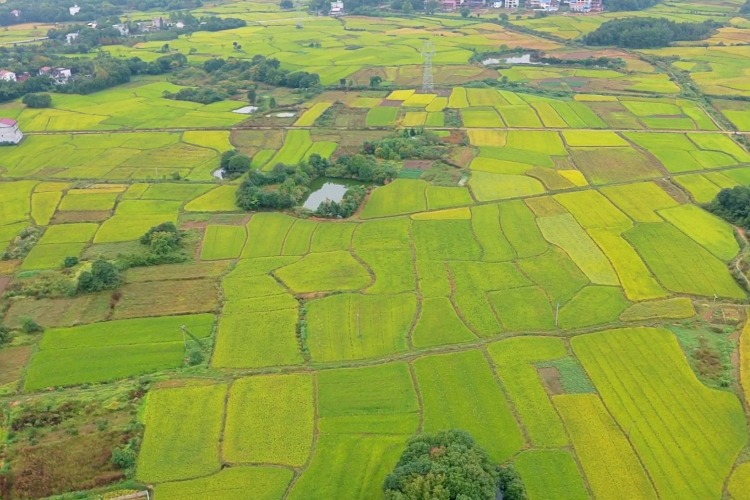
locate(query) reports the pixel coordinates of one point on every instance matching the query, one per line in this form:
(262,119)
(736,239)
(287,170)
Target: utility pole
(428,52)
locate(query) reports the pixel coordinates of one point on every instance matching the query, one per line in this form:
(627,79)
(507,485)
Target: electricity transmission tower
(428,52)
(299,14)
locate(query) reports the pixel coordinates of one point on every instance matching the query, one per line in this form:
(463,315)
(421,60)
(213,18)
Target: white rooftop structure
(75,9)
(9,131)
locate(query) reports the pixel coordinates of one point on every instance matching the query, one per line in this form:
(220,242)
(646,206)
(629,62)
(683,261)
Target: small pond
(522,59)
(326,188)
(246,110)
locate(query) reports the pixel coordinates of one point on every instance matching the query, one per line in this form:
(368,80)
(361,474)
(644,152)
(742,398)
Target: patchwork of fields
(552,284)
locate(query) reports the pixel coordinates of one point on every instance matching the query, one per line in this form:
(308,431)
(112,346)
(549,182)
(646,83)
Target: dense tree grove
(260,69)
(349,204)
(619,5)
(411,145)
(647,32)
(54,11)
(447,466)
(102,276)
(733,205)
(234,164)
(199,95)
(286,186)
(37,100)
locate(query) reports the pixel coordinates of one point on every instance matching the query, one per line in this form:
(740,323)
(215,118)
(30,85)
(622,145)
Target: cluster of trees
(234,164)
(162,244)
(450,465)
(54,11)
(412,144)
(745,9)
(103,275)
(647,32)
(39,100)
(260,69)
(349,204)
(620,5)
(286,186)
(91,75)
(733,205)
(200,95)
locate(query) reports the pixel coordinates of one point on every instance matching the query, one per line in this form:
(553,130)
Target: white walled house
(511,4)
(7,76)
(9,131)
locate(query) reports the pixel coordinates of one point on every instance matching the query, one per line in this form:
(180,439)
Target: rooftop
(7,122)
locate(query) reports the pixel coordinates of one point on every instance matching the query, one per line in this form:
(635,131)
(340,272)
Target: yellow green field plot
(134,217)
(114,349)
(678,153)
(593,138)
(266,234)
(414,119)
(183,430)
(556,273)
(439,325)
(169,191)
(308,117)
(488,187)
(578,313)
(322,272)
(231,483)
(681,264)
(374,400)
(44,204)
(88,199)
(548,143)
(713,233)
(331,237)
(458,98)
(565,232)
(112,156)
(462,213)
(438,104)
(364,459)
(514,360)
(740,480)
(608,460)
(680,115)
(478,405)
(220,199)
(519,116)
(446,197)
(382,116)
(218,140)
(481,118)
(523,309)
(704,187)
(485,221)
(400,95)
(640,201)
(519,227)
(635,277)
(223,242)
(14,201)
(270,419)
(401,196)
(484,97)
(736,112)
(550,474)
(675,308)
(606,215)
(297,241)
(69,233)
(431,241)
(419,100)
(484,137)
(296,144)
(687,435)
(51,256)
(350,326)
(607,165)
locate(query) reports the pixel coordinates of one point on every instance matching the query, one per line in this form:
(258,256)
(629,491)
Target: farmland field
(523,251)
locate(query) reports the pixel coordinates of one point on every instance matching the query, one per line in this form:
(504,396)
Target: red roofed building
(9,131)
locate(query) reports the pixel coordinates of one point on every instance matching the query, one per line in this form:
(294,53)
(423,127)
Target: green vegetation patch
(713,233)
(270,419)
(550,474)
(350,326)
(675,308)
(269,483)
(439,325)
(183,429)
(681,264)
(223,242)
(321,272)
(677,414)
(477,403)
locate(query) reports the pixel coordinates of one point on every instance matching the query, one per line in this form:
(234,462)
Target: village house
(337,9)
(586,6)
(75,9)
(60,76)
(7,76)
(9,131)
(450,5)
(122,28)
(511,4)
(70,38)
